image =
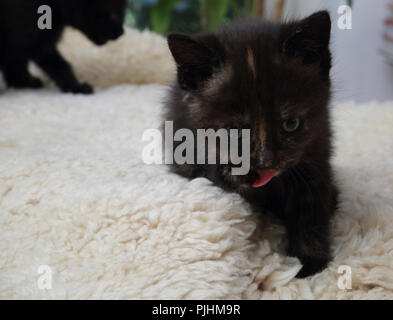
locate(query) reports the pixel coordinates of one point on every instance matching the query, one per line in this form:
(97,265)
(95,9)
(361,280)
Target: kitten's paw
(83,88)
(311,266)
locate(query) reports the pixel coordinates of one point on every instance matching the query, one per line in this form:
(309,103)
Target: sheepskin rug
(76,197)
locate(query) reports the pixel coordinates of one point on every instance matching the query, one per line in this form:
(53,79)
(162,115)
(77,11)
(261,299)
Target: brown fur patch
(251,62)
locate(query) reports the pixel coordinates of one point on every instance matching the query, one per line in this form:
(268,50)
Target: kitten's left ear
(310,40)
(196,58)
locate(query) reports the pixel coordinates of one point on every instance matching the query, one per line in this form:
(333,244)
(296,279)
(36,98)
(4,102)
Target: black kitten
(271,78)
(21,40)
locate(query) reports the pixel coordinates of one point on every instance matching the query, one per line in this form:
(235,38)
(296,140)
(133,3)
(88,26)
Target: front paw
(311,266)
(83,88)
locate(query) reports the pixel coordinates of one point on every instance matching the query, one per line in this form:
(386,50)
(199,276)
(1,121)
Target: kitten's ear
(310,40)
(195,60)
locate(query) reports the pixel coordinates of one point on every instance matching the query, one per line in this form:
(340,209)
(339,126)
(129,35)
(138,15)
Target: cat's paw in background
(83,88)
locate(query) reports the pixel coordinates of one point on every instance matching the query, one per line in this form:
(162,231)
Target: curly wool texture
(76,196)
(136,57)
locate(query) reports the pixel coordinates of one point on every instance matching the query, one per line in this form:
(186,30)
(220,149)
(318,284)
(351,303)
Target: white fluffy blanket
(76,197)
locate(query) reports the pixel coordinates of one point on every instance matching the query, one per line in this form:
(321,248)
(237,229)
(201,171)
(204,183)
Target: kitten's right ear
(310,40)
(195,60)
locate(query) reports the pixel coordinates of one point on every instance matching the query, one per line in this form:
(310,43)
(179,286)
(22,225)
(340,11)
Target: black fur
(22,41)
(290,81)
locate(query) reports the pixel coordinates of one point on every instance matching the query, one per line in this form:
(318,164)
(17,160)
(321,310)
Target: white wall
(360,72)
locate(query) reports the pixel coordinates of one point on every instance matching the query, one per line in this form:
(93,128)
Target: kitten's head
(268,77)
(99,20)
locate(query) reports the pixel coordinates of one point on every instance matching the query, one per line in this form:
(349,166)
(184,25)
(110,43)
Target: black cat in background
(21,39)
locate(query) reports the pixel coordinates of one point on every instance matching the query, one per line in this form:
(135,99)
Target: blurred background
(363,55)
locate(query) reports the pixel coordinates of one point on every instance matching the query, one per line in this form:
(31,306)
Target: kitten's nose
(267,158)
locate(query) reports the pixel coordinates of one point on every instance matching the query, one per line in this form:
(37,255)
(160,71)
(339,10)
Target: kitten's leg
(61,72)
(307,221)
(309,242)
(16,75)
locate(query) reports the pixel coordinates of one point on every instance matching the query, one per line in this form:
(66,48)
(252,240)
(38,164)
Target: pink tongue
(264,176)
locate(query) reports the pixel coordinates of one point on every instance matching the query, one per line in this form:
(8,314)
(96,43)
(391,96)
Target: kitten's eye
(291,125)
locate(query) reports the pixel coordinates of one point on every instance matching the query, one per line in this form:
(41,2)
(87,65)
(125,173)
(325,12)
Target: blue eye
(291,125)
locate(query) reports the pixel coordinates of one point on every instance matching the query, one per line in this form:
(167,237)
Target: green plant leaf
(214,13)
(249,7)
(160,15)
